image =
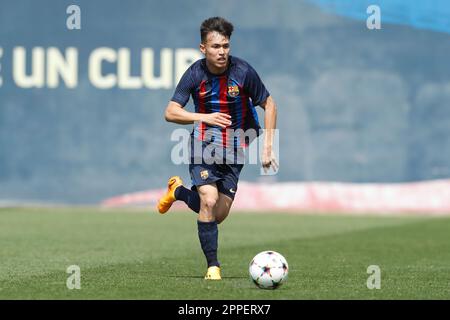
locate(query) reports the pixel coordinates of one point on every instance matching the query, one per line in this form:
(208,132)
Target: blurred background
(82,110)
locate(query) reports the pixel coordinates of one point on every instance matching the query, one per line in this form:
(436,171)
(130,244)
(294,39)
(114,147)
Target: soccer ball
(268,270)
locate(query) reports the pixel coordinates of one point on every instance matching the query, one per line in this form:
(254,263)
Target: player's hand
(217,119)
(269,160)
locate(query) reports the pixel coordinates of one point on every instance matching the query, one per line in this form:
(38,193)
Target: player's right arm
(176,113)
(175,109)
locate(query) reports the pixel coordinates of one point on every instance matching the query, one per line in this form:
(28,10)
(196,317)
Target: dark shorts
(226,176)
(211,164)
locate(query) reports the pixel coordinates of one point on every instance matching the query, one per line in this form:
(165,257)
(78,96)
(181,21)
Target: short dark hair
(217,24)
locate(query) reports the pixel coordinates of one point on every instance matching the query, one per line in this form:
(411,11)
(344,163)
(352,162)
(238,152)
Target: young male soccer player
(225,90)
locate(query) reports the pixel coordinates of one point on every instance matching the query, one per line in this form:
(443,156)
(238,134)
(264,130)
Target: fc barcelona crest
(233,91)
(204,174)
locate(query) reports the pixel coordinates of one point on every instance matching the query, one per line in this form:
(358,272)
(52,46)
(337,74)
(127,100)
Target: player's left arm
(270,123)
(260,96)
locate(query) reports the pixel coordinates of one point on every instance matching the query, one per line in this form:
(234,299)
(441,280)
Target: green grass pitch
(138,254)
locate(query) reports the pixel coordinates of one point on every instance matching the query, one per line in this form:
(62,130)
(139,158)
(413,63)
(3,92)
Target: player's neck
(216,71)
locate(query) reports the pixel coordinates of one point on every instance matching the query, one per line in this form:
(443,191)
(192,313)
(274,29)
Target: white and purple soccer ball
(268,270)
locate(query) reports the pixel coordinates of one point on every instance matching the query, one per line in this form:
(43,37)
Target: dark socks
(191,198)
(208,235)
(207,231)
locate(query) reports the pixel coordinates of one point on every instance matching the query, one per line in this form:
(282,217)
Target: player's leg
(207,229)
(188,196)
(223,207)
(209,195)
(176,191)
(214,208)
(227,187)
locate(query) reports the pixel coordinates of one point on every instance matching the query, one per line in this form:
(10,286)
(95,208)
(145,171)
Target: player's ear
(202,48)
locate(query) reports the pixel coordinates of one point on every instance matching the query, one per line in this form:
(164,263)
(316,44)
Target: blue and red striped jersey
(236,92)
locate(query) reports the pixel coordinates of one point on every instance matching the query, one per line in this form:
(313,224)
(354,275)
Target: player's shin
(208,235)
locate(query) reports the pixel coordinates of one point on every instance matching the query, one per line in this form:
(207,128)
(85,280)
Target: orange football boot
(168,198)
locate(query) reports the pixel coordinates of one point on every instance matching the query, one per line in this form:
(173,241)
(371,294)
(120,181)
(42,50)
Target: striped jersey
(236,92)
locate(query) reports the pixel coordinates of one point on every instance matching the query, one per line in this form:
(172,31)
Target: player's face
(216,50)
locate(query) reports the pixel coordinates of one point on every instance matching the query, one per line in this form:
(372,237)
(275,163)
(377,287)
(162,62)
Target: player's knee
(209,202)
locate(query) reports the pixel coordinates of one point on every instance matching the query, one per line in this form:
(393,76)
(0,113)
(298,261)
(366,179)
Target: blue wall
(354,104)
(423,14)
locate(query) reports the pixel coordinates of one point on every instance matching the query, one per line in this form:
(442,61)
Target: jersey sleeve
(184,88)
(255,87)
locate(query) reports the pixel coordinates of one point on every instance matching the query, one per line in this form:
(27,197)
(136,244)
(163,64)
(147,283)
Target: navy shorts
(212,164)
(226,176)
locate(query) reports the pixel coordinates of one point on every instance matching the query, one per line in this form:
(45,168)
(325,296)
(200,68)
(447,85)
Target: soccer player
(225,91)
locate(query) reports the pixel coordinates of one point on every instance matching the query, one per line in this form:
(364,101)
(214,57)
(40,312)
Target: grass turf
(135,254)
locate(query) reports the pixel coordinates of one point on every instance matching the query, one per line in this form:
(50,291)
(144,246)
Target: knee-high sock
(191,198)
(208,235)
